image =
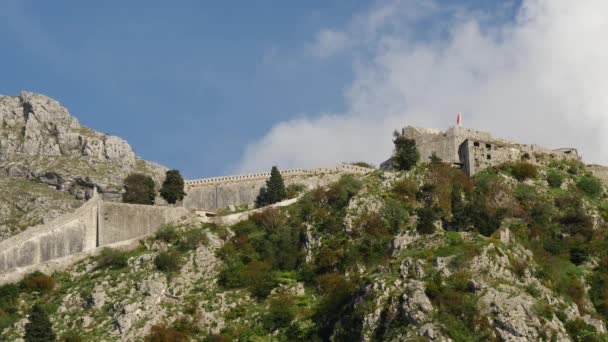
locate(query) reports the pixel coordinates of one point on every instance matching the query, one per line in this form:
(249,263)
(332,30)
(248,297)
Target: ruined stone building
(474,150)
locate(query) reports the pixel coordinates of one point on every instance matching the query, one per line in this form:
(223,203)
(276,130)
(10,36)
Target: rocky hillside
(49,163)
(518,253)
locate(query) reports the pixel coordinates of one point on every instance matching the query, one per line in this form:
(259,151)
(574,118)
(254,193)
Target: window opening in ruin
(488,146)
(488,157)
(476,144)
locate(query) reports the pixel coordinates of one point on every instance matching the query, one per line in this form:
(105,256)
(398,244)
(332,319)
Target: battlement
(342,168)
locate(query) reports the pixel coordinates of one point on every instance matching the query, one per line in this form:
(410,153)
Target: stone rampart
(120,221)
(68,234)
(220,192)
(94,224)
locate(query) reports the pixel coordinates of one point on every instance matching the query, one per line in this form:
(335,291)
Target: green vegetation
(139,189)
(406,154)
(274,191)
(168,261)
(112,258)
(172,189)
(39,327)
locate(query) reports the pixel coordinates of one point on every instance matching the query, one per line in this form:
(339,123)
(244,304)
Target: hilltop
(515,253)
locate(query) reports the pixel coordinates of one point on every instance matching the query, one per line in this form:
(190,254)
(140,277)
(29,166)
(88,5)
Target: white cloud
(329,43)
(542,78)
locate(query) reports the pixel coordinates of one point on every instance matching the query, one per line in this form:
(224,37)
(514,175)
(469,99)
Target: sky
(226,87)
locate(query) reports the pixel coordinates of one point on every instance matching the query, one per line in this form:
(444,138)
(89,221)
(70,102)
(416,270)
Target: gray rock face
(36,125)
(41,143)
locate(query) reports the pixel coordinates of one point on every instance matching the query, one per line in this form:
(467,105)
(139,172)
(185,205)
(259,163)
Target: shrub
(406,154)
(39,327)
(162,333)
(293,190)
(281,312)
(71,336)
(590,185)
(405,190)
(395,214)
(258,278)
(274,191)
(112,258)
(217,338)
(8,296)
(555,178)
(172,189)
(166,233)
(427,216)
(37,282)
(580,331)
(191,239)
(139,189)
(168,261)
(338,293)
(363,164)
(523,170)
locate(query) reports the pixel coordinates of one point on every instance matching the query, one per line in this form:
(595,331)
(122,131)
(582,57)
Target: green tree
(173,187)
(274,191)
(406,154)
(139,189)
(39,327)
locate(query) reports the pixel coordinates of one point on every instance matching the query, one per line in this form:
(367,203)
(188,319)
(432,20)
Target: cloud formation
(541,77)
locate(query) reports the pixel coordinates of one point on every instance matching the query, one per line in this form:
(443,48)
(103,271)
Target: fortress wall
(220,192)
(120,221)
(68,234)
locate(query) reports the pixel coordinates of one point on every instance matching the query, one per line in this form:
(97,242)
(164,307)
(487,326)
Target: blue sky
(197,85)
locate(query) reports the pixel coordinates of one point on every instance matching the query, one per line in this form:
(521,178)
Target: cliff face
(42,146)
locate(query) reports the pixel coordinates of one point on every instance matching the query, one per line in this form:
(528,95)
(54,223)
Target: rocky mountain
(49,163)
(516,253)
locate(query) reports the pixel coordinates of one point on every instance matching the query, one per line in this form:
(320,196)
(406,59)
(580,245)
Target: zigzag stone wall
(220,192)
(93,225)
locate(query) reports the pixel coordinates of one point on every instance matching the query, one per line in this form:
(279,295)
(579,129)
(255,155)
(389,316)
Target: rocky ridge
(42,144)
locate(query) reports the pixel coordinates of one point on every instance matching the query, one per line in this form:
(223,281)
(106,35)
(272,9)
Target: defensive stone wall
(120,221)
(220,192)
(95,224)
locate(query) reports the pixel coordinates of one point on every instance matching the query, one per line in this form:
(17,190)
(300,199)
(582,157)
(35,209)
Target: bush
(293,190)
(166,233)
(555,178)
(580,331)
(523,170)
(71,336)
(281,312)
(39,327)
(395,214)
(258,278)
(139,189)
(590,185)
(162,333)
(405,190)
(8,296)
(217,338)
(37,282)
(112,258)
(191,239)
(168,261)
(406,154)
(172,189)
(427,216)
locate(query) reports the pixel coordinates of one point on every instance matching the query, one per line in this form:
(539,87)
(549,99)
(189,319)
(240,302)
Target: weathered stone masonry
(474,150)
(95,224)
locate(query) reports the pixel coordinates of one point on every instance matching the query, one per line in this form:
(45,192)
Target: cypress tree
(406,154)
(173,187)
(139,189)
(458,209)
(39,327)
(274,191)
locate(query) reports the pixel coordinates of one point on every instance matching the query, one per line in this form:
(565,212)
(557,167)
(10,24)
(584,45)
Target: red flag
(458,120)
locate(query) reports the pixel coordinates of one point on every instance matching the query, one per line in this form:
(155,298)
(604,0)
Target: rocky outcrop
(41,143)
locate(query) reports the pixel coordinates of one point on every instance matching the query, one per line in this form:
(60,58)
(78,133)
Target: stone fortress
(474,150)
